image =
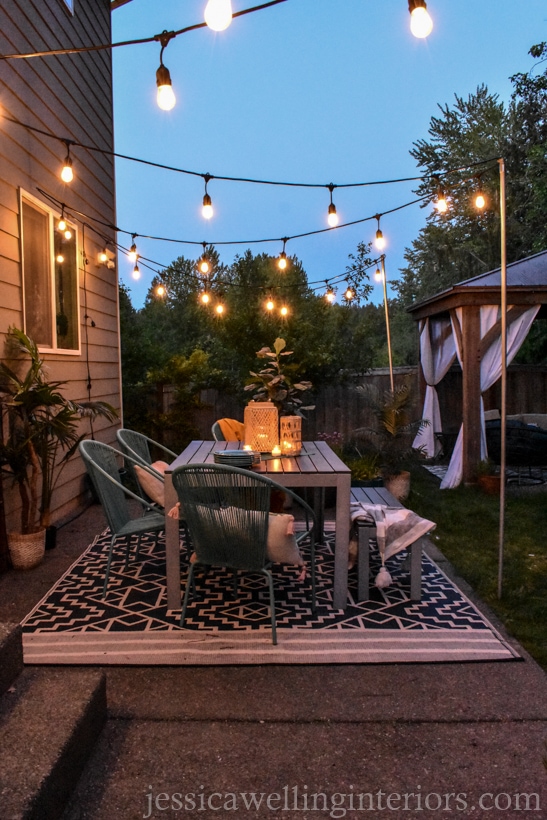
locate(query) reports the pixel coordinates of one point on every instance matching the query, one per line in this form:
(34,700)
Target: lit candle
(247,447)
(276,450)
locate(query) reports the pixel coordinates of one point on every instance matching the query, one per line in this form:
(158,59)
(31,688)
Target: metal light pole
(382,260)
(503,410)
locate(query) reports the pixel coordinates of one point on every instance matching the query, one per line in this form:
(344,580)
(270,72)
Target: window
(50,278)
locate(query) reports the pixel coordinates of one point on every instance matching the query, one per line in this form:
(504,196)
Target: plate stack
(237,458)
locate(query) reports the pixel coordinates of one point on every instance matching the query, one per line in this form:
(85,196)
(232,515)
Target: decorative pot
(489,484)
(398,485)
(26,549)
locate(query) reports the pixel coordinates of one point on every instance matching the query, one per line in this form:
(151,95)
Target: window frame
(53,216)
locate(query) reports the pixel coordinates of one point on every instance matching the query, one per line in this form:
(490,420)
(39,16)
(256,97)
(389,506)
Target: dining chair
(228,517)
(101,462)
(228,430)
(139,447)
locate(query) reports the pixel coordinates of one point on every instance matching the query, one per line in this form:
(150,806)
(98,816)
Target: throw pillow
(153,486)
(282,547)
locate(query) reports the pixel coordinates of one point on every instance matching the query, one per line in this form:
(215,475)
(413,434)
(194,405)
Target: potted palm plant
(393,435)
(41,429)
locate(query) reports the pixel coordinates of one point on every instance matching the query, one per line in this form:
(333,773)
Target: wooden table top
(316,459)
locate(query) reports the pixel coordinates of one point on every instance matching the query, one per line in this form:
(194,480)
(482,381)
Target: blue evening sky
(314,91)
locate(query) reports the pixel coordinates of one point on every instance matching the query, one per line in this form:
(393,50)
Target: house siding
(69,96)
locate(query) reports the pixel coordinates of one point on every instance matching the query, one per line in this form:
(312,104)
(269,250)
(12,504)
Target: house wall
(69,96)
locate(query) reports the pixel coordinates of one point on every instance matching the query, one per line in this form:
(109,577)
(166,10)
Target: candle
(276,450)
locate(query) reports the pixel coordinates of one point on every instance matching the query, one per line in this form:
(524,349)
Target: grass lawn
(468,535)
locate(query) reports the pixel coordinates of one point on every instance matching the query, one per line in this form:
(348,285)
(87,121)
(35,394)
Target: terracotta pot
(489,484)
(398,485)
(26,549)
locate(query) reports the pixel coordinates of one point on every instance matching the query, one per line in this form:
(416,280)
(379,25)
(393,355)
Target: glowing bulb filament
(61,225)
(441,205)
(284,311)
(205,298)
(270,305)
(421,24)
(166,96)
(379,241)
(68,234)
(219,309)
(282,261)
(332,217)
(136,272)
(132,255)
(67,174)
(207,209)
(60,258)
(480,201)
(378,275)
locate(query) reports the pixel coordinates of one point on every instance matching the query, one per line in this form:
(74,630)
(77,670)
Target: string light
(270,304)
(103,257)
(284,311)
(205,298)
(441,204)
(219,309)
(133,255)
(218,14)
(60,258)
(165,96)
(330,294)
(480,201)
(282,261)
(136,272)
(379,240)
(61,225)
(349,295)
(161,291)
(67,174)
(203,265)
(421,24)
(332,216)
(378,275)
(207,209)
(68,234)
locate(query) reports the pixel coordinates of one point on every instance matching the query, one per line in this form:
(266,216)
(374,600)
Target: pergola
(464,322)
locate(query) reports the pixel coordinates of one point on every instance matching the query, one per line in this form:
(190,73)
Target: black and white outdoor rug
(74,625)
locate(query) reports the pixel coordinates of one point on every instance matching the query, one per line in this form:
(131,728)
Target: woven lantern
(261,426)
(290,435)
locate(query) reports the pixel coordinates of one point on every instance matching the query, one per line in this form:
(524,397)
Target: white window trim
(53,216)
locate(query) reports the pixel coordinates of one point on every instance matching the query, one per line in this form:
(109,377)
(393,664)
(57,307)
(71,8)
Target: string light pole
(381,274)
(503,407)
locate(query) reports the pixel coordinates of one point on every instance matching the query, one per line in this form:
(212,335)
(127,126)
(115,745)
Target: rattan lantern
(261,426)
(290,434)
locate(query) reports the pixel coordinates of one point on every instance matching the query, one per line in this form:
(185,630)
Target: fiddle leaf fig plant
(274,382)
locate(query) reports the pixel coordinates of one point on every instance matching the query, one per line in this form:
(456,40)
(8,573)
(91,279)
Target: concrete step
(50,720)
(11,655)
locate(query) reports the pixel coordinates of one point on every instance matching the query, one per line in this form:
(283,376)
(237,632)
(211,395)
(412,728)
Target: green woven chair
(101,462)
(227,516)
(138,447)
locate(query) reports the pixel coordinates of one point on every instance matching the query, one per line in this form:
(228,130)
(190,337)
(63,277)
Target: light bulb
(60,258)
(421,23)
(160,290)
(103,257)
(441,205)
(132,255)
(207,209)
(136,272)
(284,310)
(68,234)
(220,309)
(218,14)
(379,241)
(480,201)
(349,294)
(330,296)
(204,266)
(61,225)
(332,218)
(378,275)
(282,261)
(205,298)
(67,174)
(270,305)
(166,96)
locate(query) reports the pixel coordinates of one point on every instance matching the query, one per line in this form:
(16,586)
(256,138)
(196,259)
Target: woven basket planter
(26,549)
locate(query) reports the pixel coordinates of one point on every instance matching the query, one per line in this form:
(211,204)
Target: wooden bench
(366,531)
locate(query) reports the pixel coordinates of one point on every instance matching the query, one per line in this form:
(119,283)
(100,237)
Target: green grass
(467,534)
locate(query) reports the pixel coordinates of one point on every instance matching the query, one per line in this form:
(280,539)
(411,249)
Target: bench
(366,531)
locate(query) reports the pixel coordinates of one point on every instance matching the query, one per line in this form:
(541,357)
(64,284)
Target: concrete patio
(446,734)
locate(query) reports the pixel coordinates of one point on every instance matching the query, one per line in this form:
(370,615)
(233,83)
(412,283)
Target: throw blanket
(396,529)
(232,430)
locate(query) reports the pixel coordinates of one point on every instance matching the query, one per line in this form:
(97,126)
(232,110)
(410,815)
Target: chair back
(226,511)
(217,432)
(102,466)
(134,444)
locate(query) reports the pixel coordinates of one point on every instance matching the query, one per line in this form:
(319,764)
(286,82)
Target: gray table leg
(416,570)
(343,491)
(172,547)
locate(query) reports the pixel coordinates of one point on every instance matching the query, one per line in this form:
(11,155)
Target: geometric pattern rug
(74,625)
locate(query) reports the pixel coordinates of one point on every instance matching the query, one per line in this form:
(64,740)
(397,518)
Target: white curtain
(517,330)
(437,352)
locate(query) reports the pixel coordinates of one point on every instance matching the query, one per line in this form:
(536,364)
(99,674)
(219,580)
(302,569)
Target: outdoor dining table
(317,467)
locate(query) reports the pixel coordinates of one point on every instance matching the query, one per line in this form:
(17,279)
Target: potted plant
(41,434)
(274,382)
(392,438)
(488,477)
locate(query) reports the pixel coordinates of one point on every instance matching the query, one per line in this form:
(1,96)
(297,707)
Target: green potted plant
(42,434)
(274,382)
(393,435)
(488,476)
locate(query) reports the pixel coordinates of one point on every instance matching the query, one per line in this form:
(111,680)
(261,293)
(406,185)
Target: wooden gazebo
(526,289)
